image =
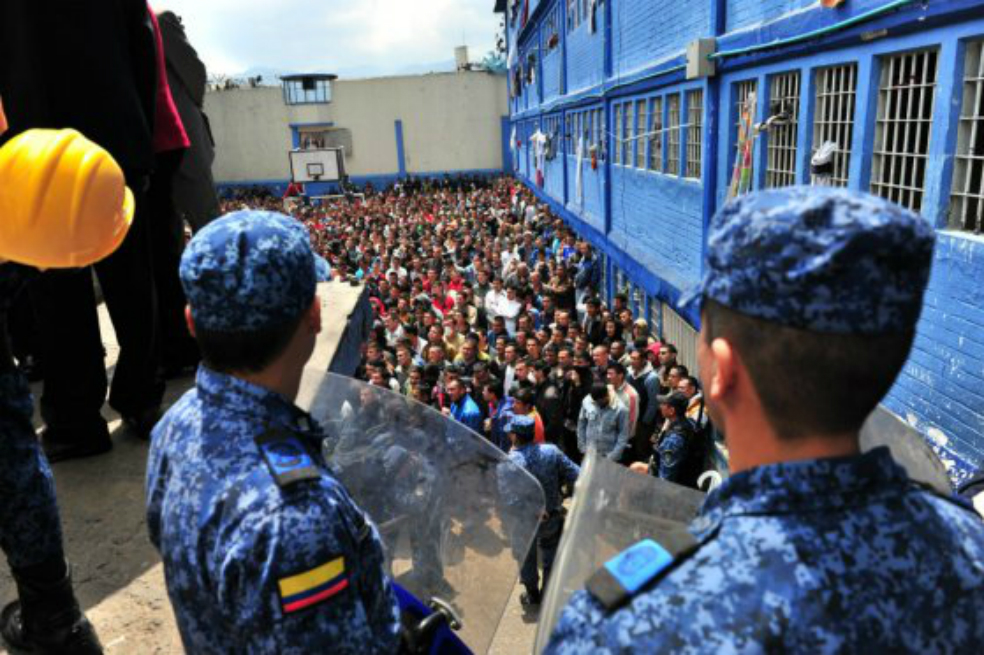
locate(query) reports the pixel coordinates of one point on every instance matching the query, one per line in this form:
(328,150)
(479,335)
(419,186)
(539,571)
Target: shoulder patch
(286,457)
(303,590)
(635,568)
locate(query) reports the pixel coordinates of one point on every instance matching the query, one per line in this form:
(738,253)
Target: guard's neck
(753,442)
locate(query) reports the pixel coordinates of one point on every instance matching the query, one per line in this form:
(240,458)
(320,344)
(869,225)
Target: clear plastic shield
(613,508)
(909,448)
(454,512)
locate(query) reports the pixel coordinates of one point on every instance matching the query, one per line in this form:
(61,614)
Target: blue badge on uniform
(628,572)
(286,457)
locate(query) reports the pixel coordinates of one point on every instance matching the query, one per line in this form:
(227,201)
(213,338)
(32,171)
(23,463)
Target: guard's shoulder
(639,568)
(286,458)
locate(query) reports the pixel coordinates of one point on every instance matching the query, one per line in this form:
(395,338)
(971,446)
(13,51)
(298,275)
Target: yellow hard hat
(63,200)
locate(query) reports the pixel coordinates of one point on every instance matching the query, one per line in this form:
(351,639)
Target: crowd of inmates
(486,306)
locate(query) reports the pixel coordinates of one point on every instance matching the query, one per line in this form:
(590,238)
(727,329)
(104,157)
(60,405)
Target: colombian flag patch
(312,587)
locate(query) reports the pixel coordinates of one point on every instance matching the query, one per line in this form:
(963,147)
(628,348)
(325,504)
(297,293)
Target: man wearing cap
(552,469)
(264,550)
(674,447)
(810,303)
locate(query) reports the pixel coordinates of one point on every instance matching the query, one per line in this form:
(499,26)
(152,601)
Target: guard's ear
(724,370)
(189,321)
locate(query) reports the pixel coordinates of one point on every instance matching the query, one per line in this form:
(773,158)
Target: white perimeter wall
(451,122)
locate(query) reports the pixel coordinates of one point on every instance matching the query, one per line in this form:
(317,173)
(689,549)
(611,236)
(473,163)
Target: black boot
(47,619)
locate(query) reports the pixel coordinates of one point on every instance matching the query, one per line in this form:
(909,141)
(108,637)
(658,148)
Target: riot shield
(613,508)
(909,448)
(452,509)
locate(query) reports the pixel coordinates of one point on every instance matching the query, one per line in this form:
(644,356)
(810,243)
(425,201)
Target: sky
(351,38)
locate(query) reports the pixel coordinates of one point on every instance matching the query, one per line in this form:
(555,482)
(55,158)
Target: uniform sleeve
(671,454)
(576,630)
(306,577)
(569,471)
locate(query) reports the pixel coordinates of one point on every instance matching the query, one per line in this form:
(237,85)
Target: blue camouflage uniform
(30,529)
(264,550)
(551,468)
(835,555)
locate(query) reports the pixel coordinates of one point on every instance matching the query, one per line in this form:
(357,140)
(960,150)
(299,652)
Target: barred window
(967,199)
(695,132)
(834,117)
(745,101)
(640,143)
(656,135)
(655,314)
(599,142)
(638,301)
(618,134)
(784,94)
(629,133)
(902,132)
(572,21)
(673,134)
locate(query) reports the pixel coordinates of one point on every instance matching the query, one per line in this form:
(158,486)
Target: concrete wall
(650,226)
(450,122)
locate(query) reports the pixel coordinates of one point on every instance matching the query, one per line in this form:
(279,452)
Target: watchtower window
(307,90)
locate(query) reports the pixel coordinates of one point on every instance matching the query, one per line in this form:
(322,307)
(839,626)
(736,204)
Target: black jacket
(84,64)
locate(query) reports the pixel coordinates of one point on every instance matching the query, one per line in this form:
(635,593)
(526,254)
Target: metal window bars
(618,134)
(967,198)
(695,133)
(598,141)
(744,101)
(640,145)
(836,92)
(784,100)
(656,135)
(903,126)
(628,135)
(673,134)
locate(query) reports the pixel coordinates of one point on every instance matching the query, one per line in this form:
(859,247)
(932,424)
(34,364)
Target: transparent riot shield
(909,448)
(613,508)
(454,512)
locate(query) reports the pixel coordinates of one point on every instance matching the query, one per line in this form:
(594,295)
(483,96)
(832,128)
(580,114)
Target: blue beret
(248,271)
(523,426)
(820,259)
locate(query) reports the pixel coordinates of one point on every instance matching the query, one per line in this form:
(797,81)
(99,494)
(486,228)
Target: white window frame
(673,134)
(655,162)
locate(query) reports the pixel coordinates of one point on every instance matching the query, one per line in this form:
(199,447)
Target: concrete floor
(118,575)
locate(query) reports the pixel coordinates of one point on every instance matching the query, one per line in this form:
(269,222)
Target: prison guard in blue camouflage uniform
(551,468)
(837,555)
(30,529)
(264,551)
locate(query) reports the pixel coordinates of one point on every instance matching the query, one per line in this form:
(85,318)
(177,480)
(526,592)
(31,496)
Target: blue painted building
(642,156)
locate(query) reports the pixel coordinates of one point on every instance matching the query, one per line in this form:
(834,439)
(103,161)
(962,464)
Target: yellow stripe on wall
(298,584)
